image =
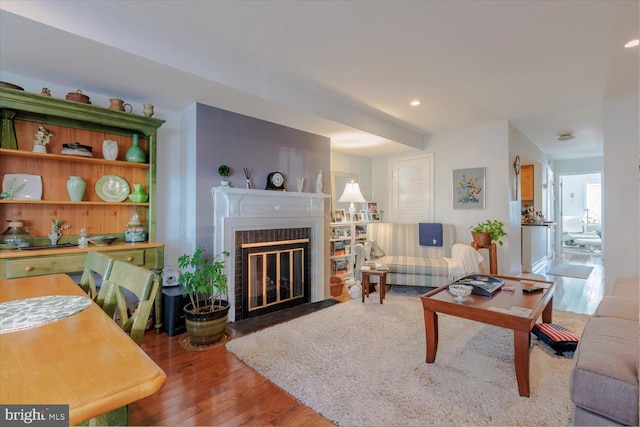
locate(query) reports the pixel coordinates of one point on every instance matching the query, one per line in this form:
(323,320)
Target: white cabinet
(534,247)
(344,235)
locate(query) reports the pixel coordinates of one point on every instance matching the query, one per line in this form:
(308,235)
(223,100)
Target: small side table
(493,255)
(382,274)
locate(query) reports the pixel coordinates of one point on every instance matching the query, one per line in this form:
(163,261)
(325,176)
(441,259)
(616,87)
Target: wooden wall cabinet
(22,114)
(526,182)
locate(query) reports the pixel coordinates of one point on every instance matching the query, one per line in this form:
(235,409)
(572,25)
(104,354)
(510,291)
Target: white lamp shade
(352,193)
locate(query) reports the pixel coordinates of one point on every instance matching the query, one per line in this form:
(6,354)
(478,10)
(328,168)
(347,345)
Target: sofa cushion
(626,287)
(415,265)
(619,307)
(604,378)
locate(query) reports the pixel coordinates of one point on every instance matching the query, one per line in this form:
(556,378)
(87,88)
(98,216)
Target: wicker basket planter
(481,239)
(337,286)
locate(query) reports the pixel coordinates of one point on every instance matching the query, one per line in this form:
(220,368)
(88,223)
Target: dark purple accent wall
(239,141)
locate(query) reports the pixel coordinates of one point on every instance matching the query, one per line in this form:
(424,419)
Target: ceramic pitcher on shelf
(119,105)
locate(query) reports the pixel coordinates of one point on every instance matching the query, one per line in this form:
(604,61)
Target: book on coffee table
(482,284)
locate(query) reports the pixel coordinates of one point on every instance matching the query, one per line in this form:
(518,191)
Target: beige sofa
(415,265)
(604,378)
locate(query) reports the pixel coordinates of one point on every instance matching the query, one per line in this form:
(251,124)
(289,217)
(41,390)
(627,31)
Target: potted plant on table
(224,171)
(205,283)
(489,231)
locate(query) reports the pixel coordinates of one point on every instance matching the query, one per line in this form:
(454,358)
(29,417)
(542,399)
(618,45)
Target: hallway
(578,295)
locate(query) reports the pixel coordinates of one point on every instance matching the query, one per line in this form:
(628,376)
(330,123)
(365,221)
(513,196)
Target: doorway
(581,198)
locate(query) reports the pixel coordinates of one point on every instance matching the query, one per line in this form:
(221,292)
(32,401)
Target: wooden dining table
(84,360)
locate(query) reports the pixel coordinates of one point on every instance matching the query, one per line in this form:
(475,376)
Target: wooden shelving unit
(70,122)
(89,125)
(344,235)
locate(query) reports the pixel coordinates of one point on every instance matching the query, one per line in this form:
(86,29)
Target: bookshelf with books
(343,236)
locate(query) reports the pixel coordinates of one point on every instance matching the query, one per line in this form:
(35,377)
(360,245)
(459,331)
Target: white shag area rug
(364,364)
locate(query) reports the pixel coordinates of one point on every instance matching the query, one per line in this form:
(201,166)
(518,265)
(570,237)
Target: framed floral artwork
(468,188)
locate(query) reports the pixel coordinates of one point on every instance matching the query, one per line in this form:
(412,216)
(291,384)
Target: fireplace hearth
(237,211)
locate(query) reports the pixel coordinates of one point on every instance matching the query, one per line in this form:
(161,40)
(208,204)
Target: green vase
(76,188)
(9,140)
(138,195)
(135,154)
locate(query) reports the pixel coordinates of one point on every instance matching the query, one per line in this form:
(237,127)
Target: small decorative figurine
(247,174)
(82,240)
(319,182)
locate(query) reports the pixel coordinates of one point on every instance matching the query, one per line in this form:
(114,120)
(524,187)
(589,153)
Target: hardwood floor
(214,388)
(578,295)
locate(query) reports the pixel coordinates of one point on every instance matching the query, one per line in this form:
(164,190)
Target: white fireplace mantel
(239,209)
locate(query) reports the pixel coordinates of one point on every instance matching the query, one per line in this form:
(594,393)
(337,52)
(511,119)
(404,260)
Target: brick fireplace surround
(237,209)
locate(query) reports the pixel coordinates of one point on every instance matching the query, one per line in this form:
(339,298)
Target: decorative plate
(22,186)
(112,188)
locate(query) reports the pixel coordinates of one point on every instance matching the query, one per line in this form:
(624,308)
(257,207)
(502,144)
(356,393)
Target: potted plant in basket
(224,172)
(489,231)
(205,283)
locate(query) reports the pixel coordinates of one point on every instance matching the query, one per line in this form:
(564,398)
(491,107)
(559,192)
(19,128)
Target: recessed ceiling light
(633,43)
(565,136)
(415,103)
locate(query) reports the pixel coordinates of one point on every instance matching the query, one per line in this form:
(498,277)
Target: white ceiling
(345,69)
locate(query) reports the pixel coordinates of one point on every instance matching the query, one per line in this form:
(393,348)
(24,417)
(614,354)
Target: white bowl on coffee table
(460,291)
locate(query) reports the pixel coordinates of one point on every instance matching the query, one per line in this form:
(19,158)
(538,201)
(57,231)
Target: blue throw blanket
(430,234)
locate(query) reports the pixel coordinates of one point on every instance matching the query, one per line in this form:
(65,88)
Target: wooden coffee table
(495,310)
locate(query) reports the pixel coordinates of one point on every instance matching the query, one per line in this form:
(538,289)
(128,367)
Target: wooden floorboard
(578,295)
(214,388)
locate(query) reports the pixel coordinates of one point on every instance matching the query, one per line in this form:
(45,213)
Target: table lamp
(352,194)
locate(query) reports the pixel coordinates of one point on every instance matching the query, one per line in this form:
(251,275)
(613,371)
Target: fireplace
(273,275)
(242,214)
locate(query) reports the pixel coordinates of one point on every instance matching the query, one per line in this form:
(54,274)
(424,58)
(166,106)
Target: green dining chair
(95,263)
(140,282)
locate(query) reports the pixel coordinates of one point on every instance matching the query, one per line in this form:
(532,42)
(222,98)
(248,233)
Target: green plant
(57,227)
(203,277)
(43,136)
(494,228)
(224,171)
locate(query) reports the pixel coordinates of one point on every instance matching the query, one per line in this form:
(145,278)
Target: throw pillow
(376,251)
(555,336)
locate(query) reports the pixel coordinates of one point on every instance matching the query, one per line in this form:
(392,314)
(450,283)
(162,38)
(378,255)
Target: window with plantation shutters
(412,188)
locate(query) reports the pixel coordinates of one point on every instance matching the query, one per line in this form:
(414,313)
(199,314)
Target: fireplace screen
(274,274)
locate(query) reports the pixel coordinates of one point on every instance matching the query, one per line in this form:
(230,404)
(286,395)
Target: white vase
(39,148)
(109,149)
